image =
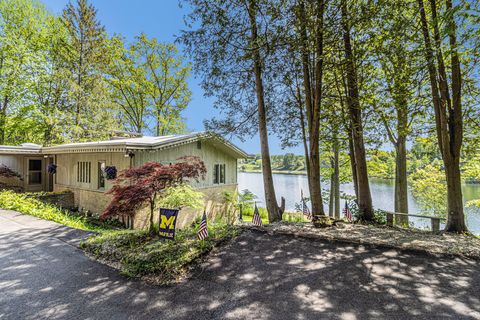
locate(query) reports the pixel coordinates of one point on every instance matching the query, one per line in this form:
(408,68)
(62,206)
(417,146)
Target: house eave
(126,147)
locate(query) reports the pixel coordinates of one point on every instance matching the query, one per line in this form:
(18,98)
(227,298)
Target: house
(79,167)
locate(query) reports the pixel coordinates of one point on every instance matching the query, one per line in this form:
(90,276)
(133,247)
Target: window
(199,145)
(84,169)
(222,173)
(34,171)
(101,177)
(219,173)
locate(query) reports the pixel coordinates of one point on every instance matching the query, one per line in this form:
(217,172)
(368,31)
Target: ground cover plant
(27,204)
(139,254)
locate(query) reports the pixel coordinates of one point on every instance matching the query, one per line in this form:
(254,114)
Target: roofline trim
(126,146)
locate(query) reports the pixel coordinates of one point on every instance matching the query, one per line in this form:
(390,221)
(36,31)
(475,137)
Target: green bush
(429,189)
(29,205)
(181,196)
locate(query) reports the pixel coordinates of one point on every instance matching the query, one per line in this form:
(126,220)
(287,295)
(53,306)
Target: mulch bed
(383,236)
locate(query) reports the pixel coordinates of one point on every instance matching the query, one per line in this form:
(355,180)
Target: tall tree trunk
(401,187)
(3,119)
(456,216)
(336,175)
(313,107)
(364,195)
(331,200)
(274,213)
(401,191)
(353,164)
(448,115)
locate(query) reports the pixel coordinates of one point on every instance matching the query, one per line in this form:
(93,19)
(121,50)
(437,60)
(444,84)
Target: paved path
(43,275)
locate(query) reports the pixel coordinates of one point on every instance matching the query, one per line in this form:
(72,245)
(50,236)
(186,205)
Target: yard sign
(168,219)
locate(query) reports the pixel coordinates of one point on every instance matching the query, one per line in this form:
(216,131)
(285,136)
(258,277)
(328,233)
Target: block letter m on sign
(167,221)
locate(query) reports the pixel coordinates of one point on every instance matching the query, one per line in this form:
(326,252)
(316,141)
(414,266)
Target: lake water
(290,187)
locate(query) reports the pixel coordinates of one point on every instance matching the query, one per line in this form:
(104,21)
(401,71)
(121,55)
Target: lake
(290,187)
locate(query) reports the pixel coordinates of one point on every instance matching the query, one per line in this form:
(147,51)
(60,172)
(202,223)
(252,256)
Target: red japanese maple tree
(136,187)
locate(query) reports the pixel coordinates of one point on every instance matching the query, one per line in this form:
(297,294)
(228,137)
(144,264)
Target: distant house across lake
(80,166)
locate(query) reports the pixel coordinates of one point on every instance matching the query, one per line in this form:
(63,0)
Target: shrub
(26,204)
(181,196)
(429,189)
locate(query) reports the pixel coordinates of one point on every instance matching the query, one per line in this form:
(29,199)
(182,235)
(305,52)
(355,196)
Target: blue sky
(162,19)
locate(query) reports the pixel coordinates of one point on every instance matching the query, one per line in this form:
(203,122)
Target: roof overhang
(20,150)
(132,146)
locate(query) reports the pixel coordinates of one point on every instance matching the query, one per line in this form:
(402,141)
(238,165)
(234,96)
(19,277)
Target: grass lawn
(287,216)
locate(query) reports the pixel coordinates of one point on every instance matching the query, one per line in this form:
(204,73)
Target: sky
(163,19)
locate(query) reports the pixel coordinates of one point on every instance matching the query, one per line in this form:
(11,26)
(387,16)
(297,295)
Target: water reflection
(290,186)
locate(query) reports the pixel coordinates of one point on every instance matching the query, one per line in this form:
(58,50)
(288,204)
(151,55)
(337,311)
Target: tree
(49,88)
(447,105)
(228,47)
(397,101)
(165,80)
(143,185)
(364,197)
(312,82)
(289,161)
(129,86)
(21,25)
(86,58)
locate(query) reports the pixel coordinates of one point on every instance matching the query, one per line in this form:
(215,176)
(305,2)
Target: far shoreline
(303,173)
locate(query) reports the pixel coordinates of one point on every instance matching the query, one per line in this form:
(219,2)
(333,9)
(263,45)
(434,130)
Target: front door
(34,174)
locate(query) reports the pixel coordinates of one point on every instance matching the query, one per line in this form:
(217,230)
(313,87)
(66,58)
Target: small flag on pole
(203,231)
(257,220)
(305,209)
(347,213)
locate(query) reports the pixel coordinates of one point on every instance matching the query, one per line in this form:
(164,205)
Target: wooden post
(390,217)
(435,225)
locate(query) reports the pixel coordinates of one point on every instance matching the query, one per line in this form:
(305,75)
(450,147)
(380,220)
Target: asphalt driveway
(43,275)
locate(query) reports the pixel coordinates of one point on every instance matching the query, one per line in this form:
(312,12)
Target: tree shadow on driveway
(258,276)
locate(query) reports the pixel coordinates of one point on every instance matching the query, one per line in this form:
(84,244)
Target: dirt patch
(391,237)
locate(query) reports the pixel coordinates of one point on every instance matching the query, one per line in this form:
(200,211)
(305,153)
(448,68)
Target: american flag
(347,213)
(203,231)
(256,221)
(305,209)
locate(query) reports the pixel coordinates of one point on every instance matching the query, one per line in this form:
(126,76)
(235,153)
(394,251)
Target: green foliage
(247,214)
(381,164)
(429,189)
(63,79)
(141,254)
(471,169)
(473,203)
(27,204)
(150,80)
(180,197)
(288,163)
